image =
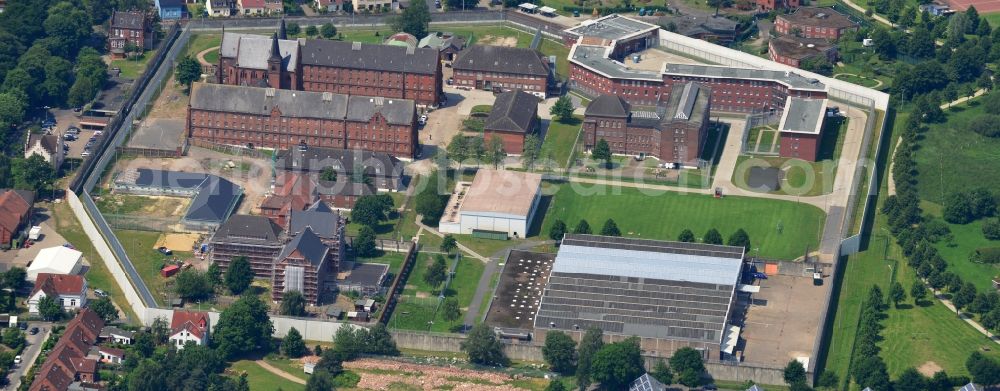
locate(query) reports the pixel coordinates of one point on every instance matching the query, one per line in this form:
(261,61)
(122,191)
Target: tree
(239,275)
(328,174)
(293,29)
(12,108)
(67,25)
(896,293)
(964,296)
(243,327)
(293,346)
(449,244)
(214,274)
(450,309)
(558,230)
(430,206)
(983,203)
(610,228)
(940,382)
(991,229)
(348,342)
(582,228)
(531,150)
(364,243)
(331,361)
(688,363)
(712,237)
(50,309)
(436,272)
(14,338)
(311,31)
(602,152)
(14,278)
(563,108)
(188,71)
(105,308)
(591,342)
(827,379)
(883,43)
(379,341)
(820,65)
(369,210)
(555,385)
(160,329)
(328,30)
(686,236)
(794,372)
(662,373)
(193,285)
(983,369)
(483,347)
(618,364)
(320,380)
(33,173)
(918,291)
(496,154)
(739,238)
(559,352)
(458,148)
(413,20)
(871,372)
(293,303)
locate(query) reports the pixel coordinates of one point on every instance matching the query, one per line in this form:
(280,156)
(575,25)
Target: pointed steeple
(275,51)
(281,29)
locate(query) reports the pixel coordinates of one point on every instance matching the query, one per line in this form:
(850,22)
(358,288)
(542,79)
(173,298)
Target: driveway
(30,354)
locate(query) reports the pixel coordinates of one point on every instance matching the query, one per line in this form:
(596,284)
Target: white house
(496,203)
(68,290)
(48,146)
(329,5)
(188,326)
(117,335)
(109,355)
(55,260)
(220,8)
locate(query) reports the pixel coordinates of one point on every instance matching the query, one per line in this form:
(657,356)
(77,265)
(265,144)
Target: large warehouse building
(669,294)
(496,203)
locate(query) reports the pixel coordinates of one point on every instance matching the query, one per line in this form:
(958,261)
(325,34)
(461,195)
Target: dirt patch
(426,377)
(171,103)
(929,368)
(498,41)
(177,242)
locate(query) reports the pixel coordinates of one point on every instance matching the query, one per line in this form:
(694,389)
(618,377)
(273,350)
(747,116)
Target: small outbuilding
(55,260)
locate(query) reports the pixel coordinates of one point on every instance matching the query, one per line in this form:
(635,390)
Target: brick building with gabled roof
(68,362)
(255,237)
(15,214)
(303,264)
(815,22)
(514,116)
(501,68)
(128,26)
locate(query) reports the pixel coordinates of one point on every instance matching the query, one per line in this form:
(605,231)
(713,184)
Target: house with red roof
(67,363)
(189,326)
(67,289)
(15,214)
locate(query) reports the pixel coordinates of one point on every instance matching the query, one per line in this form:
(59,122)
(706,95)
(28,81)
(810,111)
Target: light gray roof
(108,331)
(299,104)
(134,20)
(819,17)
(646,383)
(441,41)
(641,258)
(512,111)
(687,102)
(608,105)
(971,387)
(369,57)
(803,115)
(313,249)
(340,160)
(693,25)
(593,57)
(799,48)
(611,27)
(790,79)
(488,58)
(252,51)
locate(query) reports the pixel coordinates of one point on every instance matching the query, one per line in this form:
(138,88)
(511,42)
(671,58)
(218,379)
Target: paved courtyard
(783,320)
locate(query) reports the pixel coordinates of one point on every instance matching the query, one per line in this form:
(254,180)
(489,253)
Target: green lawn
(131,68)
(147,260)
(201,42)
(968,237)
(560,139)
(662,215)
(413,312)
(953,158)
(262,380)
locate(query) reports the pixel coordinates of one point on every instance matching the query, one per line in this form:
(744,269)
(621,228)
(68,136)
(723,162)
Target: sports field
(780,229)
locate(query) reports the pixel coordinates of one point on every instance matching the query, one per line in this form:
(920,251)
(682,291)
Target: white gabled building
(189,326)
(69,290)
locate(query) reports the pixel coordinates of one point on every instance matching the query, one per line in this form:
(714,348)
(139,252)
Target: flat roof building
(669,294)
(494,202)
(213,198)
(815,22)
(801,128)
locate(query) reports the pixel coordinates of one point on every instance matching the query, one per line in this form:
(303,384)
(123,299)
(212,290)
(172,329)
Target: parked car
(33,331)
(17,359)
(164,250)
(85,153)
(98,133)
(70,137)
(22,325)
(423,119)
(73,129)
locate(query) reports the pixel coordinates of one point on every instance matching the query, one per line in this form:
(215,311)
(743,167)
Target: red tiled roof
(194,322)
(12,209)
(58,284)
(84,365)
(68,357)
(252,3)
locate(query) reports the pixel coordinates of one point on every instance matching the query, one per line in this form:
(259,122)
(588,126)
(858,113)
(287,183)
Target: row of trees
(348,344)
(559,229)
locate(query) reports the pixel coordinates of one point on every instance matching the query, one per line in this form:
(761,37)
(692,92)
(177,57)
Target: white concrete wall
(472,221)
(311,329)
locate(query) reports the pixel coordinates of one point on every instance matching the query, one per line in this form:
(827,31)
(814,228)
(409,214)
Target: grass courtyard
(132,67)
(417,306)
(781,229)
(953,158)
(263,380)
(147,260)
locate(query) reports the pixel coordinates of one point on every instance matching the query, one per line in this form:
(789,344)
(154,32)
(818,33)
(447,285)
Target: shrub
(988,255)
(991,229)
(987,125)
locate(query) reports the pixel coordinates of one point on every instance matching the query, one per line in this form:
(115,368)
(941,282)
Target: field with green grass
(953,158)
(417,304)
(781,229)
(262,380)
(560,139)
(967,238)
(801,177)
(147,260)
(132,67)
(200,42)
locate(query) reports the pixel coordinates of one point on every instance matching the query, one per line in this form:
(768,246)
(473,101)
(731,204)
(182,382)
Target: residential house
(15,214)
(513,118)
(67,362)
(771,5)
(937,9)
(366,6)
(251,7)
(128,27)
(48,146)
(447,44)
(189,326)
(68,290)
(219,8)
(107,354)
(303,265)
(171,9)
(274,7)
(329,5)
(117,335)
(501,68)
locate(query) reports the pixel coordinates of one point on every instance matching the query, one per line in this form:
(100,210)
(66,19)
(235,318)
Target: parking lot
(783,320)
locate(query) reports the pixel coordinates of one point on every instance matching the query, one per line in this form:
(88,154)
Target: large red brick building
(814,22)
(793,51)
(282,119)
(128,26)
(501,68)
(513,118)
(330,66)
(770,5)
(801,128)
(673,133)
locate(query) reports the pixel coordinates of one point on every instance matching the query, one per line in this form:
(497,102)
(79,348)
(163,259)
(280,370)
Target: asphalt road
(29,355)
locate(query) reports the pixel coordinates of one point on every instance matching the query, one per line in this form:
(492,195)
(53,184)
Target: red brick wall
(505,81)
(422,88)
(799,145)
(340,201)
(513,143)
(783,26)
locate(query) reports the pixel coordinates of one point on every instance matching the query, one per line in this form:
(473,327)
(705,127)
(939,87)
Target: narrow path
(441,235)
(483,289)
(283,374)
(859,76)
(201,55)
(947,303)
(861,9)
(977,94)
